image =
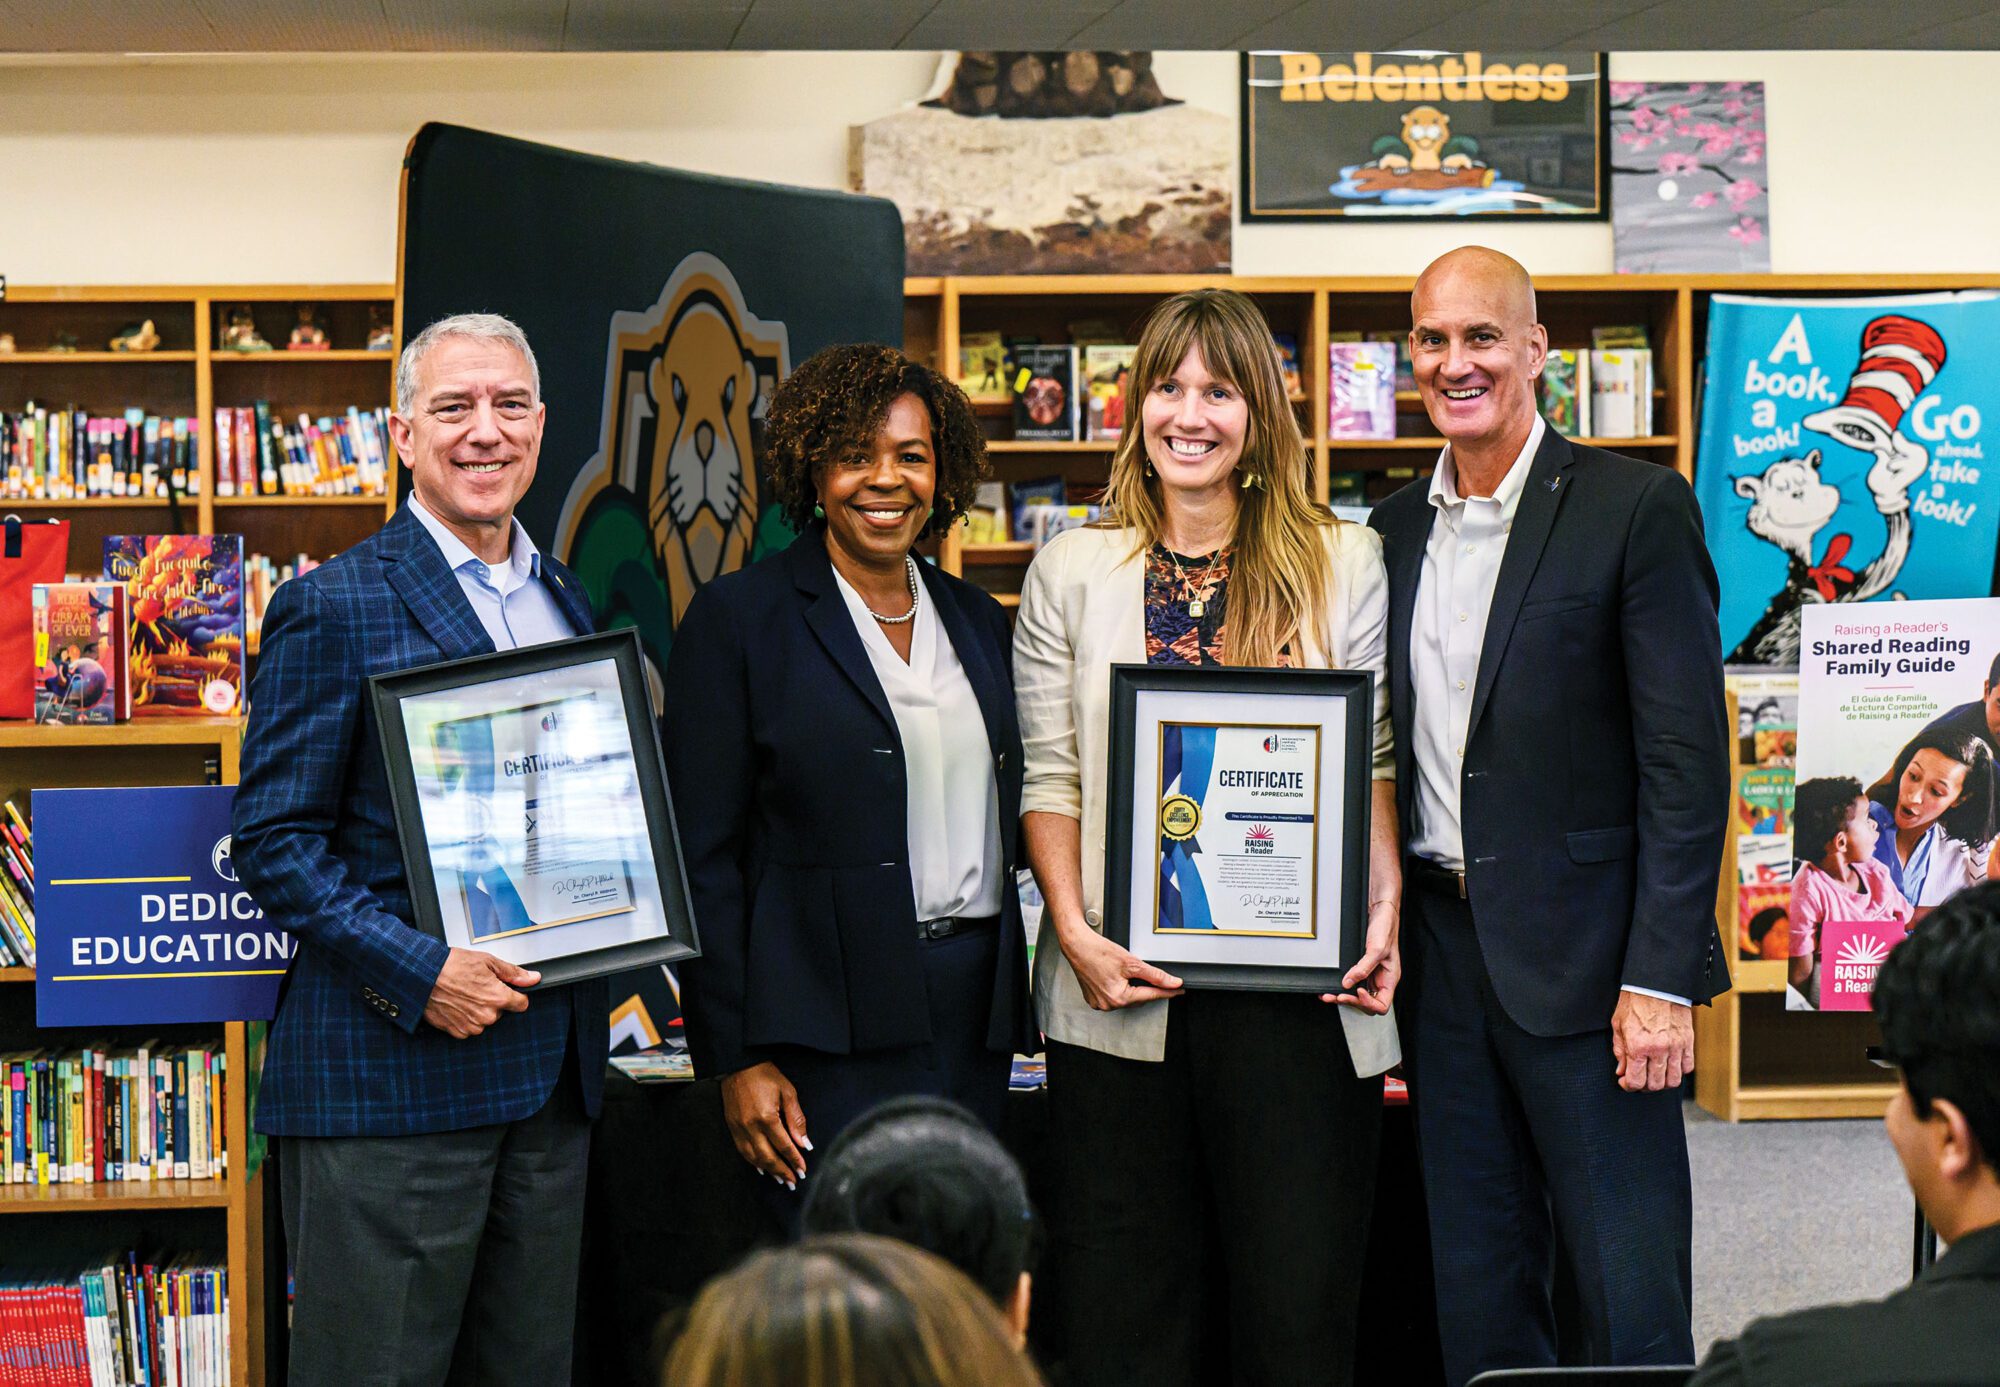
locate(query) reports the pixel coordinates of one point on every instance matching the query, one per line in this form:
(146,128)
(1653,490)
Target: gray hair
(487,327)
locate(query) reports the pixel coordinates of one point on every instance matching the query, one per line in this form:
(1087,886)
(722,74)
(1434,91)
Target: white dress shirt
(952,800)
(1447,631)
(515,609)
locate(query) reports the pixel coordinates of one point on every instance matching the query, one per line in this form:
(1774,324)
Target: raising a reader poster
(1842,456)
(1897,805)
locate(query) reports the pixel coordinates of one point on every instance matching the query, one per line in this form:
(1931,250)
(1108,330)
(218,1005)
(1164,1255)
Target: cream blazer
(1082,612)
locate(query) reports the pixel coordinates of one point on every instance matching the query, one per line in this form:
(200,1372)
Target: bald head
(1476,349)
(1500,277)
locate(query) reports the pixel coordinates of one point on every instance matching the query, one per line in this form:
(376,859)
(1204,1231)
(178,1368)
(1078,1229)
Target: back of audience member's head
(1938,1001)
(927,1172)
(846,1310)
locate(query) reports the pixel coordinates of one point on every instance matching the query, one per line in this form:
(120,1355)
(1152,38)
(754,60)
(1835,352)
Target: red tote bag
(31,552)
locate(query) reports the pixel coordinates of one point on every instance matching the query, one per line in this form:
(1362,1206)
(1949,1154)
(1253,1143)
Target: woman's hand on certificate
(766,1122)
(1113,976)
(1371,983)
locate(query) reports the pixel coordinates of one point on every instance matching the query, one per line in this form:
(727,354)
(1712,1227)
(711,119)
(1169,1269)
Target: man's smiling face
(1476,347)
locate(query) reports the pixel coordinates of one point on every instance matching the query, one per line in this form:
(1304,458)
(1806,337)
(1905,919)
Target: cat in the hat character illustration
(1790,504)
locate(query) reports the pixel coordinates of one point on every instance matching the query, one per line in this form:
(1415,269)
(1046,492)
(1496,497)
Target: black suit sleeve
(1722,1368)
(711,770)
(1673,669)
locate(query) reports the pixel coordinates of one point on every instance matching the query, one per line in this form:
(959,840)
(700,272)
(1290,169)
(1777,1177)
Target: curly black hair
(1819,810)
(833,405)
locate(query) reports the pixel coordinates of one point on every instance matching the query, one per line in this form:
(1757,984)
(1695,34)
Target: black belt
(1429,876)
(945,926)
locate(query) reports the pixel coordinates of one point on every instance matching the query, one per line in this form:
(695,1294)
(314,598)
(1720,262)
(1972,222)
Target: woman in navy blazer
(841,742)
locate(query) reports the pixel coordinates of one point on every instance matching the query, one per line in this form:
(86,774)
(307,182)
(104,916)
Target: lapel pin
(1553,482)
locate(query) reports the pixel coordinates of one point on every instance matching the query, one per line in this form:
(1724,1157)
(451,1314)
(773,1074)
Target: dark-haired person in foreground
(1938,1001)
(926,1172)
(840,736)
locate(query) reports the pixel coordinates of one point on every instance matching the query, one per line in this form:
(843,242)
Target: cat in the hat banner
(1841,451)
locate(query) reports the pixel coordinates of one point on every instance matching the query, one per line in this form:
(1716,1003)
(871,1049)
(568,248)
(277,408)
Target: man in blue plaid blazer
(434,1106)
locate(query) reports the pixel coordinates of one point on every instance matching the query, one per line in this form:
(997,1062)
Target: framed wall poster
(1238,828)
(532,804)
(1514,134)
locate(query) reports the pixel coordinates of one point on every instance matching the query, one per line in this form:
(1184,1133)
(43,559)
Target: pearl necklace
(910,568)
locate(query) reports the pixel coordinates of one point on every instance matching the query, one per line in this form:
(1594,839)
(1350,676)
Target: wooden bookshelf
(190,375)
(1673,308)
(227,1211)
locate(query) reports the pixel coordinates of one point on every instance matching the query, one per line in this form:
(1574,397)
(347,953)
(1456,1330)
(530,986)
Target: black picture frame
(1349,696)
(677,936)
(1259,200)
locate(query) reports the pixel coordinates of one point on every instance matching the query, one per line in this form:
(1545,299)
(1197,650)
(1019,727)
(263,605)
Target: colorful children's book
(1363,385)
(82,668)
(1045,403)
(1565,391)
(1106,372)
(186,599)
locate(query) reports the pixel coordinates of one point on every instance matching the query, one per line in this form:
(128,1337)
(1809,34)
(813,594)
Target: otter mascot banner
(1843,447)
(664,308)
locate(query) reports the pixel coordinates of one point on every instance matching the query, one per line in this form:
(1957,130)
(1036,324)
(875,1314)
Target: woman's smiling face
(1194,426)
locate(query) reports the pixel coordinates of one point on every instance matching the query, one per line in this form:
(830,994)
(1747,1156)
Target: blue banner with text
(142,919)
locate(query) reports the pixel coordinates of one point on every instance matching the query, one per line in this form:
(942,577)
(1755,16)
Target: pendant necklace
(910,569)
(1195,604)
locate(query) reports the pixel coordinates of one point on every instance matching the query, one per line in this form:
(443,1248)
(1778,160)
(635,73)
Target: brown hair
(832,407)
(846,1310)
(1280,584)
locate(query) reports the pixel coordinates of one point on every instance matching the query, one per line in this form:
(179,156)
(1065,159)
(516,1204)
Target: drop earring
(819,511)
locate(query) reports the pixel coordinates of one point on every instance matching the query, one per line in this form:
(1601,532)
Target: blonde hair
(846,1310)
(1280,584)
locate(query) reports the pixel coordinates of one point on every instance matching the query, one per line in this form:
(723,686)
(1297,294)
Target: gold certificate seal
(1180,818)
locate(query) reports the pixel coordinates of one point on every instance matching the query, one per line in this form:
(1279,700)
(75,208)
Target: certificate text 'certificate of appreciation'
(1239,830)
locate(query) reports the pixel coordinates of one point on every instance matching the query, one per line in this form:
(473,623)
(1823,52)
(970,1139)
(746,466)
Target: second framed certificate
(1237,854)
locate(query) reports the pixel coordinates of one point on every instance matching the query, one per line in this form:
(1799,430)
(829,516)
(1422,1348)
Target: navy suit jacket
(314,840)
(1595,785)
(788,784)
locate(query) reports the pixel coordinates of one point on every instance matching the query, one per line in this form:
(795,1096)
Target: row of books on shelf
(125,1320)
(1591,392)
(93,1115)
(17,889)
(160,633)
(1066,392)
(73,455)
(259,454)
(261,576)
(1032,512)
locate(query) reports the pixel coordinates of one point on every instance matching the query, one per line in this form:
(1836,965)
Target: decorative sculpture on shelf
(136,337)
(7,347)
(309,335)
(381,329)
(239,331)
(63,342)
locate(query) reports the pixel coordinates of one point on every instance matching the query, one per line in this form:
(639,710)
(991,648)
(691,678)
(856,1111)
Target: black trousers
(1524,1139)
(449,1257)
(1242,1166)
(835,1089)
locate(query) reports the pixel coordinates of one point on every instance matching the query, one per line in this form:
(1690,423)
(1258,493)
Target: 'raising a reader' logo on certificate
(1180,818)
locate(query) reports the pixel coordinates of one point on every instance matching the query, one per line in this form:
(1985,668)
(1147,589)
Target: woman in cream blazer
(1255,1115)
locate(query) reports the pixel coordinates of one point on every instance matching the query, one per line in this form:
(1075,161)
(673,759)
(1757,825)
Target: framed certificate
(1237,848)
(532,804)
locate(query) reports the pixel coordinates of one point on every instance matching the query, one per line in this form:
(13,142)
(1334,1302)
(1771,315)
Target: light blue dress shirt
(511,603)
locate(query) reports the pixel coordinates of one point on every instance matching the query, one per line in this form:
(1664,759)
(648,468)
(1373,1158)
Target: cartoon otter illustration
(701,499)
(1426,144)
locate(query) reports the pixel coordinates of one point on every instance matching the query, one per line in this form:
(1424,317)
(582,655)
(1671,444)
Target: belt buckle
(940,928)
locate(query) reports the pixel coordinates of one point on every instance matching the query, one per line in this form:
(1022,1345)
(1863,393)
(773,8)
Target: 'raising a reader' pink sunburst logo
(1851,953)
(1259,833)
(1864,949)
